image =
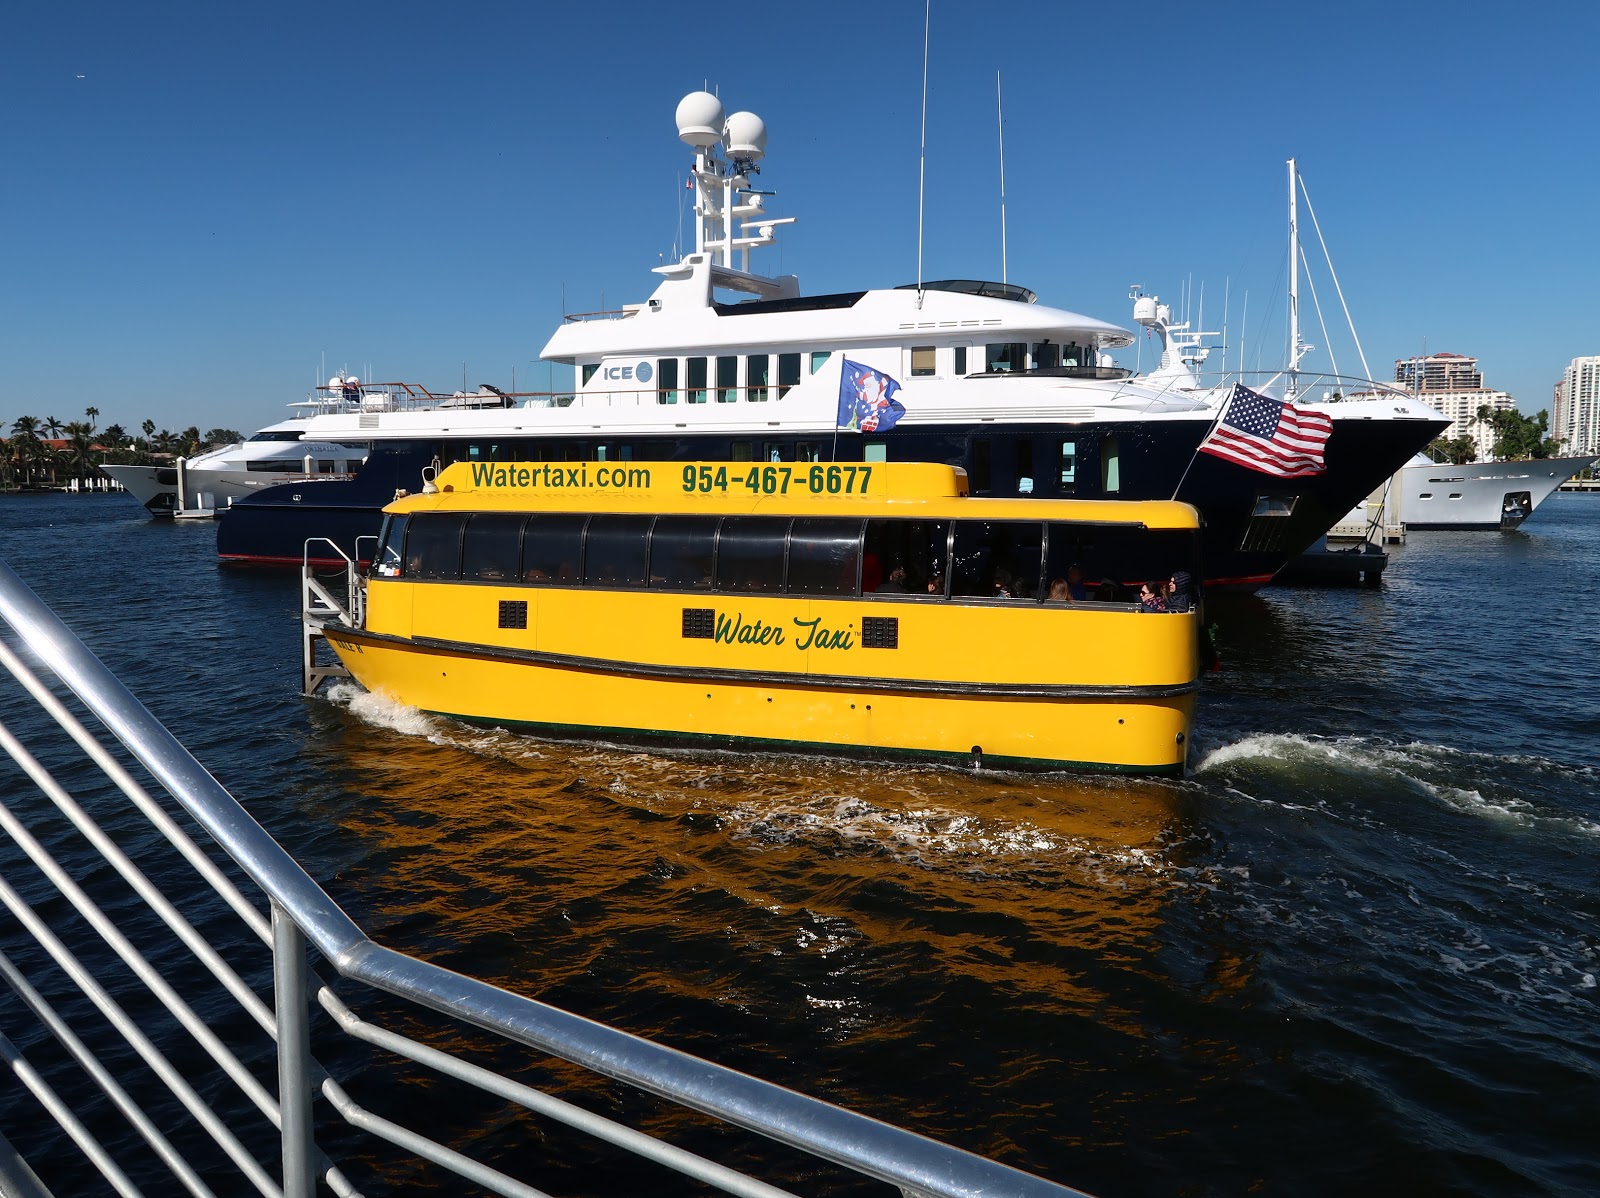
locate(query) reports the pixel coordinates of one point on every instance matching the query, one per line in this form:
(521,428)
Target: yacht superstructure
(723,362)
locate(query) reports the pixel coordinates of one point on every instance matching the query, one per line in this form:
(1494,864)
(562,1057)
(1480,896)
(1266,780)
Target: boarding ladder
(163,1059)
(339,595)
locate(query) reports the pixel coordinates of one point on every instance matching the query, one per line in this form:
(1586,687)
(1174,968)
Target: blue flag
(866,399)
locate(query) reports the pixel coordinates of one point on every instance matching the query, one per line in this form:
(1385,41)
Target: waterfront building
(1453,384)
(1577,407)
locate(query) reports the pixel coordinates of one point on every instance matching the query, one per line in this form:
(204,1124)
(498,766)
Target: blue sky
(208,206)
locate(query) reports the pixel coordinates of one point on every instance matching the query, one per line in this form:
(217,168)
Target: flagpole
(1221,412)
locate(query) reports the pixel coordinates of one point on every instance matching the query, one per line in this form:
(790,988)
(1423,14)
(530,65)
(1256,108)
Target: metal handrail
(303,912)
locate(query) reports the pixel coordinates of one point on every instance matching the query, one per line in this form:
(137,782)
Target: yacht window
(961,359)
(741,452)
(989,557)
(982,465)
(1046,354)
(824,556)
(750,553)
(819,358)
(614,551)
(324,465)
(919,547)
(492,546)
(755,377)
(808,451)
(681,552)
(552,548)
(875,451)
(998,359)
(1024,448)
(667,380)
(390,542)
(1110,466)
(922,360)
(788,373)
(775,451)
(727,379)
(1068,466)
(588,372)
(1426,495)
(1274,505)
(433,546)
(697,380)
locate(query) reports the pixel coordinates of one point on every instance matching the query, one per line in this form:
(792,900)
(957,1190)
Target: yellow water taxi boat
(866,608)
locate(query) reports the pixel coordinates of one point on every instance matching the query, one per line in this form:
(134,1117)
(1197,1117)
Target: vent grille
(513,613)
(368,420)
(880,632)
(700,623)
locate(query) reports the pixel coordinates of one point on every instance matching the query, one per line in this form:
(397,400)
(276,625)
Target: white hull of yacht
(157,486)
(1480,495)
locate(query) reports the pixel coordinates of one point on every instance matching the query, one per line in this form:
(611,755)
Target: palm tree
(114,436)
(26,446)
(148,428)
(53,426)
(80,447)
(91,413)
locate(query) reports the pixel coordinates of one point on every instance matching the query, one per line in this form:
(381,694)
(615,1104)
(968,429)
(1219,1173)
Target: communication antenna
(999,113)
(922,164)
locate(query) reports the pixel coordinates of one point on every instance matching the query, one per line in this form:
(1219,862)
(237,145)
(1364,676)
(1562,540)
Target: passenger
(895,584)
(1075,585)
(1060,592)
(1002,583)
(1180,594)
(1151,598)
(1108,591)
(871,572)
(936,585)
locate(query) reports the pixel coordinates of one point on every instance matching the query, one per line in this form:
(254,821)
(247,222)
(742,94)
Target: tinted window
(552,548)
(994,555)
(387,562)
(492,546)
(824,556)
(433,546)
(681,552)
(750,553)
(614,551)
(916,548)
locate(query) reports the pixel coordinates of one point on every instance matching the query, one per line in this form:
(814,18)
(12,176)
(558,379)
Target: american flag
(1265,434)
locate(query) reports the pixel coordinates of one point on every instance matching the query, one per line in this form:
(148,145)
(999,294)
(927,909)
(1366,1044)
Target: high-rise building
(1579,421)
(1453,384)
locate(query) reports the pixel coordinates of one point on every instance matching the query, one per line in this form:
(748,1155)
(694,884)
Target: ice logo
(643,372)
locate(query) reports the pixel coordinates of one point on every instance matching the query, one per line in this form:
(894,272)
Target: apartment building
(1453,384)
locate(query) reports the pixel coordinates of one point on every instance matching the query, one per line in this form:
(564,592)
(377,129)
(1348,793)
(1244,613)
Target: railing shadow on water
(155,1057)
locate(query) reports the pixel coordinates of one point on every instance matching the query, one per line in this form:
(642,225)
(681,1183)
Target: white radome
(700,120)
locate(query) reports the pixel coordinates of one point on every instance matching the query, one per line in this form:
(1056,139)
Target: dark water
(1356,951)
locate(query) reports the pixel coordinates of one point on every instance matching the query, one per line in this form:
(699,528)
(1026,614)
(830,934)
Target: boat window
(750,553)
(919,547)
(1110,466)
(1024,456)
(775,451)
(989,557)
(875,451)
(433,546)
(682,549)
(982,465)
(922,360)
(819,358)
(727,379)
(1046,354)
(614,551)
(552,548)
(1115,559)
(755,377)
(998,359)
(741,451)
(588,372)
(824,556)
(492,546)
(697,380)
(808,451)
(1069,467)
(961,359)
(666,380)
(788,373)
(390,541)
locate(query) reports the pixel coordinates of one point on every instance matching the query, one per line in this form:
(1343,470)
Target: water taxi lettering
(551,477)
(736,631)
(775,480)
(822,638)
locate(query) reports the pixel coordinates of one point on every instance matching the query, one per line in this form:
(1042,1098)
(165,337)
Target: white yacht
(210,481)
(1479,495)
(722,362)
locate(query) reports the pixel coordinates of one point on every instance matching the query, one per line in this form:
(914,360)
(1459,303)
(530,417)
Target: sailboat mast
(1294,288)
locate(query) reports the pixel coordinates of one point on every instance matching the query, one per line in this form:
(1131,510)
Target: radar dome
(745,136)
(336,381)
(700,119)
(1144,309)
(351,380)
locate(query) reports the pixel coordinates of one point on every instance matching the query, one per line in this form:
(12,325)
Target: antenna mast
(922,158)
(999,113)
(1297,349)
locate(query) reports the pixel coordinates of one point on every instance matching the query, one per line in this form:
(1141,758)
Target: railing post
(290,997)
